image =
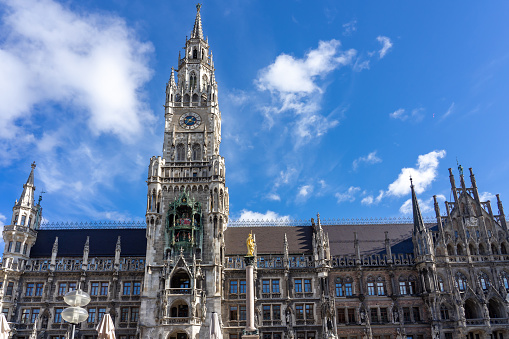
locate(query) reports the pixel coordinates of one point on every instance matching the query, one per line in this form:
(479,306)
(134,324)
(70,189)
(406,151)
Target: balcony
(499,321)
(178,291)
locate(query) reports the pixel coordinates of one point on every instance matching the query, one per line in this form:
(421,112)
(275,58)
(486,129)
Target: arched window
(484,281)
(503,249)
(459,250)
(450,249)
(187,98)
(407,285)
(481,249)
(461,282)
(505,280)
(494,249)
(339,288)
(441,285)
(380,286)
(192,81)
(195,53)
(472,249)
(23,220)
(471,310)
(495,309)
(444,312)
(195,97)
(181,282)
(181,152)
(179,309)
(196,152)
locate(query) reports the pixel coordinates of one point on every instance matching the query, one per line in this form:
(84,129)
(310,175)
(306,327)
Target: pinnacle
(197,30)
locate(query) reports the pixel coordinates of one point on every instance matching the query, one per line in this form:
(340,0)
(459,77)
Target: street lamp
(75,314)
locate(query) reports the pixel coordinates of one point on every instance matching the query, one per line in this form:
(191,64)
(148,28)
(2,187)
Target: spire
(27,196)
(197,31)
(418,222)
(172,77)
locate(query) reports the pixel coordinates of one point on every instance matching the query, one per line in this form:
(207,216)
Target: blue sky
(326,108)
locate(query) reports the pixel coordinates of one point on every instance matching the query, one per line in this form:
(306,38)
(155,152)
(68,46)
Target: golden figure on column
(250,245)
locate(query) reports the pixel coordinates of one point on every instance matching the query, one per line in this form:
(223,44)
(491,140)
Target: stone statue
(250,245)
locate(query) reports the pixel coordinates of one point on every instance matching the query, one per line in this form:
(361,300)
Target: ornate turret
(20,235)
(423,243)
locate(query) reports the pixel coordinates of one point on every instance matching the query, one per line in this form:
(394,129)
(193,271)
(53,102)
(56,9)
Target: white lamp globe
(77,298)
(74,315)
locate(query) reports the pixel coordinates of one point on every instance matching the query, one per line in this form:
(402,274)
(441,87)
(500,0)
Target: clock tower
(187,203)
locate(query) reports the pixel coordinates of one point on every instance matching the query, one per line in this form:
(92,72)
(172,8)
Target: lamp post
(75,314)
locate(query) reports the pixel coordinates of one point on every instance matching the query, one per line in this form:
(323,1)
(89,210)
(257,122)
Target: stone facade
(442,278)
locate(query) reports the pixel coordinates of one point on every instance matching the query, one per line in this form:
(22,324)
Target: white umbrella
(215,327)
(4,327)
(105,329)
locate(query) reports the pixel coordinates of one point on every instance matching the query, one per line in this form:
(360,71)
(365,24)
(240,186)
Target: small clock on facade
(189,120)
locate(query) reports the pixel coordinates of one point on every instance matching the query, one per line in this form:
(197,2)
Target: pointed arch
(195,97)
(196,152)
(181,152)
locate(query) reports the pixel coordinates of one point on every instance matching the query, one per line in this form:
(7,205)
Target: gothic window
(371,286)
(484,281)
(444,312)
(181,152)
(441,285)
(461,282)
(195,97)
(503,249)
(495,309)
(407,286)
(187,98)
(195,53)
(450,249)
(481,249)
(472,249)
(192,81)
(494,249)
(339,288)
(196,152)
(459,250)
(23,220)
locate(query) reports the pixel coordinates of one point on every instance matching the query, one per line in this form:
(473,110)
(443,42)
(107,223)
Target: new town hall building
(442,278)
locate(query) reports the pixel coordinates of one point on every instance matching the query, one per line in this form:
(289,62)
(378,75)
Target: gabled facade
(378,279)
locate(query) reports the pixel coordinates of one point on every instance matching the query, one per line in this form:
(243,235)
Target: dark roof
(269,239)
(102,242)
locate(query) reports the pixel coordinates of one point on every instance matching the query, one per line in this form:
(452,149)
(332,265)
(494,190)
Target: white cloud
(273,197)
(361,65)
(369,159)
(450,110)
(415,115)
(269,215)
(350,27)
(399,114)
(424,205)
(370,200)
(386,45)
(349,195)
(93,65)
(3,219)
(423,174)
(485,196)
(285,176)
(294,85)
(322,183)
(305,190)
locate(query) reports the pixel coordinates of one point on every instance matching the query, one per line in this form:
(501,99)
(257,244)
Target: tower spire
(197,30)
(418,222)
(27,196)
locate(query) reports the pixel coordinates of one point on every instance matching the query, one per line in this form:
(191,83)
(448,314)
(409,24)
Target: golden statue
(250,245)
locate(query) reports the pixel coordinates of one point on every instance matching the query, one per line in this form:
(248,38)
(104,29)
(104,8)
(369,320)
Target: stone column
(250,332)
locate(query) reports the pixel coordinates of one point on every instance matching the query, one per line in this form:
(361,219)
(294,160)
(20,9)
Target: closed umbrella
(105,329)
(4,327)
(215,327)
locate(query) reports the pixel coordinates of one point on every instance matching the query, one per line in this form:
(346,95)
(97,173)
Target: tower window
(17,249)
(23,220)
(195,53)
(181,152)
(196,152)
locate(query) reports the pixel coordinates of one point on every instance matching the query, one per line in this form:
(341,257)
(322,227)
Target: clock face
(189,120)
